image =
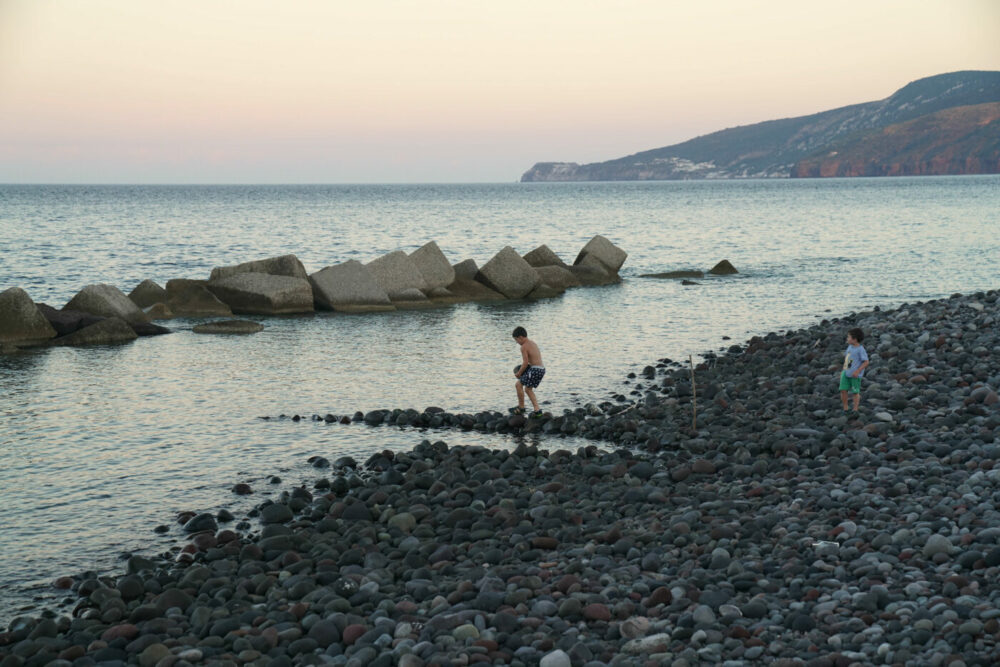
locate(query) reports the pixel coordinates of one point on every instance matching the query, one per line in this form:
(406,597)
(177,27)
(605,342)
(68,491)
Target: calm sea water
(99,445)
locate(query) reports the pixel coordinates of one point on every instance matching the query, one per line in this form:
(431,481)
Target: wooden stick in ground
(694,396)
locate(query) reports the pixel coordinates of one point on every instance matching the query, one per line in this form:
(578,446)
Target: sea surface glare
(100,445)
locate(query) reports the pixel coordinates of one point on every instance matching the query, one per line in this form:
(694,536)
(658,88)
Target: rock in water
(433,265)
(672,275)
(264,294)
(106,332)
(107,301)
(604,251)
(466,269)
(558,277)
(160,311)
(228,327)
(349,287)
(473,290)
(191,298)
(591,271)
(147,293)
(508,274)
(285,265)
(723,268)
(66,322)
(396,272)
(543,256)
(20,319)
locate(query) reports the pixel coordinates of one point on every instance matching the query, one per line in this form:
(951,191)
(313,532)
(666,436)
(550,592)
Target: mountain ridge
(774,148)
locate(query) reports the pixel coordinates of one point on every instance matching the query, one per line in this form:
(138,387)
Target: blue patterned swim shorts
(532,377)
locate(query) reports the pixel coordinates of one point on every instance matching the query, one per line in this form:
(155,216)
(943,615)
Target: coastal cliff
(792,146)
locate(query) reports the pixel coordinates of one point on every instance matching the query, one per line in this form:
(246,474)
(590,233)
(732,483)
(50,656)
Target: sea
(100,445)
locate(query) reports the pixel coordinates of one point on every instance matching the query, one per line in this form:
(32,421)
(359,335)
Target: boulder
(543,256)
(409,295)
(396,272)
(191,298)
(723,268)
(106,301)
(149,329)
(228,327)
(66,322)
(604,251)
(590,271)
(348,287)
(161,311)
(465,289)
(544,291)
(147,293)
(20,319)
(106,332)
(433,265)
(443,295)
(559,277)
(509,274)
(466,269)
(670,275)
(264,294)
(285,265)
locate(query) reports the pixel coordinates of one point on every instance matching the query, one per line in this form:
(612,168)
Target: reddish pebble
(406,607)
(661,595)
(703,467)
(298,610)
(242,489)
(352,632)
(226,536)
(596,612)
(544,543)
(63,583)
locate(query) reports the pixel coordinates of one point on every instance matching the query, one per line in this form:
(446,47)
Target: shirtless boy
(530,373)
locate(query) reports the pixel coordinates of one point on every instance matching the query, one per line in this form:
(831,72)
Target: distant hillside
(964,140)
(794,146)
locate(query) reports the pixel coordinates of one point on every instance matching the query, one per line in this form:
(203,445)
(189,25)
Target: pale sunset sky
(310,91)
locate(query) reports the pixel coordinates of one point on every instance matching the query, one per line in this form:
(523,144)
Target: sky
(393,91)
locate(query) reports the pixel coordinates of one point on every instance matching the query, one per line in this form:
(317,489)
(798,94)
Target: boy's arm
(524,363)
(863,366)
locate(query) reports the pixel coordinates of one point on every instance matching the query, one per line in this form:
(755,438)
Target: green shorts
(849,384)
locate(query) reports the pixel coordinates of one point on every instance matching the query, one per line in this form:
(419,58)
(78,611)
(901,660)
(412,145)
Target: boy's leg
(531,395)
(857,401)
(843,399)
(520,394)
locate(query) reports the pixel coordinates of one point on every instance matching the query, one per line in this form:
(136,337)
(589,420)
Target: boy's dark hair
(518,332)
(857,334)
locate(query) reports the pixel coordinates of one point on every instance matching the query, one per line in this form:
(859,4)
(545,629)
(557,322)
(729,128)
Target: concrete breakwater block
(433,265)
(106,332)
(396,272)
(349,287)
(106,301)
(264,294)
(604,251)
(147,293)
(191,298)
(20,319)
(508,274)
(284,265)
(229,327)
(543,256)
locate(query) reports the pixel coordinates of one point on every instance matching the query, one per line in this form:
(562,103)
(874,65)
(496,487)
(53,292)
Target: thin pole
(694,396)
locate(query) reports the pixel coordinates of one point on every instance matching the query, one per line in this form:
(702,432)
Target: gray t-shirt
(853,358)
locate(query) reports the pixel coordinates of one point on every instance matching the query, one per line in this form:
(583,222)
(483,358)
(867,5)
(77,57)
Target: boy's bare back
(530,353)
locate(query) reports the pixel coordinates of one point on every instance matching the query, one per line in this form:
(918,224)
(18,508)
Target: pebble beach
(774,529)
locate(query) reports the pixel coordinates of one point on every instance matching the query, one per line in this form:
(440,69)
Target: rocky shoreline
(776,531)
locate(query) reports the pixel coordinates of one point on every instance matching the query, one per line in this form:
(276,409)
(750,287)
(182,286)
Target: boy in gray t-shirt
(855,363)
